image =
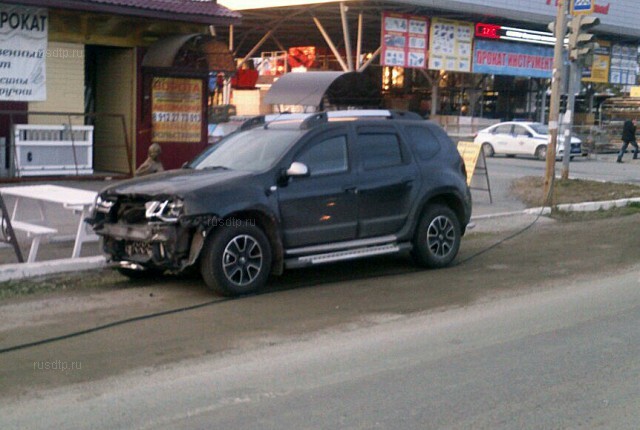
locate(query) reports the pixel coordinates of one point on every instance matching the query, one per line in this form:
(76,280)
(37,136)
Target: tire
(541,152)
(437,239)
(488,150)
(236,260)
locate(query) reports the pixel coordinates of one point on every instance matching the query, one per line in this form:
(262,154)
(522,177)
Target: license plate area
(139,249)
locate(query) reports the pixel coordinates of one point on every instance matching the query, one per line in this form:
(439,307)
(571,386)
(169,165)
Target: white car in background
(522,138)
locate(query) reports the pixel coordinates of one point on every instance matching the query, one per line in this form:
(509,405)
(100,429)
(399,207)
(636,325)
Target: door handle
(351,190)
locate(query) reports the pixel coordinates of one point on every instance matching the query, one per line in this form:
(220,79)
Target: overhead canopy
(314,88)
(305,89)
(166,52)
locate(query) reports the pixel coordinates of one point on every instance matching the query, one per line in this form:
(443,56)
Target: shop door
(6,119)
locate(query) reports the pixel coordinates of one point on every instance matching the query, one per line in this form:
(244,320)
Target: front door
(386,181)
(321,207)
(524,142)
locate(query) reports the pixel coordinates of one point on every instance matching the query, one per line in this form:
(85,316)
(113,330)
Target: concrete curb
(585,207)
(9,272)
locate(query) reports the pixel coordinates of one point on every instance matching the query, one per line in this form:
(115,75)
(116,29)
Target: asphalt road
(561,357)
(538,330)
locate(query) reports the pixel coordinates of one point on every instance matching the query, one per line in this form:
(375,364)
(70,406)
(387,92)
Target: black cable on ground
(547,201)
(113,324)
(224,300)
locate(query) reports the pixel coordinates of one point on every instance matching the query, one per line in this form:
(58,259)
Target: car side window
(519,130)
(326,157)
(503,129)
(425,143)
(379,150)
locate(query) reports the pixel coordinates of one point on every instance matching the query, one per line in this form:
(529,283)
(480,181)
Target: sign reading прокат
(23,47)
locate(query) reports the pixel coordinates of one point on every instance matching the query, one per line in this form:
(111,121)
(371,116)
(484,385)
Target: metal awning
(164,51)
(305,89)
(321,89)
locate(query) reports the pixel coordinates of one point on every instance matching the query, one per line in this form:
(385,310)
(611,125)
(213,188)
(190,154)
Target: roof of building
(196,11)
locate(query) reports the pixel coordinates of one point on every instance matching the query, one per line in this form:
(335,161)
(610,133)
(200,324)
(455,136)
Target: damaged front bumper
(158,245)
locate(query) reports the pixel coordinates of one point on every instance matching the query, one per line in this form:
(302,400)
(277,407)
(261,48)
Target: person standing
(628,137)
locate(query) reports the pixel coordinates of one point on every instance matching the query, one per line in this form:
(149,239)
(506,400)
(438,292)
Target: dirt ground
(529,190)
(149,334)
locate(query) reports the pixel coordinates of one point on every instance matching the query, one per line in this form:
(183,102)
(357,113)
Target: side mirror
(297,169)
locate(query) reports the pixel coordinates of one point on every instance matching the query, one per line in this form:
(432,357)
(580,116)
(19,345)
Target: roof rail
(314,120)
(253,122)
(310,120)
(404,114)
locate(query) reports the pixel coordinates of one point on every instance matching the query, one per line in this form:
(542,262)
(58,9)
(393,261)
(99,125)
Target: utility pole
(554,104)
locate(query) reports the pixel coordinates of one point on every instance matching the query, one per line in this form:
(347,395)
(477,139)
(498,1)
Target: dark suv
(291,191)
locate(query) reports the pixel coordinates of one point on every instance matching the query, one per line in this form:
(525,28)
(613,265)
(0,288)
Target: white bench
(36,232)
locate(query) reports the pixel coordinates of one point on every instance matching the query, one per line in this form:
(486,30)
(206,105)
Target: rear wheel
(236,260)
(541,152)
(488,150)
(437,239)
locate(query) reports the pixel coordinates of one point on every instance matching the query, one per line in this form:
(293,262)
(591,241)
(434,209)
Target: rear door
(322,207)
(387,180)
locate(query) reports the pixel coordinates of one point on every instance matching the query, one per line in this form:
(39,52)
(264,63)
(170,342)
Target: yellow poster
(451,45)
(599,70)
(176,106)
(469,151)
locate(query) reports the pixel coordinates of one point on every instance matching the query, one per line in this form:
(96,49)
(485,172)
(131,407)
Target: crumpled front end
(148,232)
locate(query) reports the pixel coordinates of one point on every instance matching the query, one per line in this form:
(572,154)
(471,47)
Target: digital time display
(487,31)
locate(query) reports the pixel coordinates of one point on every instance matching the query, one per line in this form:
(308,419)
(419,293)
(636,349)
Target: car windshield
(254,150)
(539,128)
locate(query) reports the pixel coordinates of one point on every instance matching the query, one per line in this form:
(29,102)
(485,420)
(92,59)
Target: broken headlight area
(165,210)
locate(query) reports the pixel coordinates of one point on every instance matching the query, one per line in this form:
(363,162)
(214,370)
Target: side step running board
(350,254)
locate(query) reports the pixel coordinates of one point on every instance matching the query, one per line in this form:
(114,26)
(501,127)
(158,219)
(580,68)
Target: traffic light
(581,43)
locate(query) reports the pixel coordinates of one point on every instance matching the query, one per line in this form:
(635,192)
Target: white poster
(451,45)
(23,49)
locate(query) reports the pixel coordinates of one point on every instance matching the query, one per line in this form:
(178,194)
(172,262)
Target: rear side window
(519,130)
(379,150)
(503,129)
(424,142)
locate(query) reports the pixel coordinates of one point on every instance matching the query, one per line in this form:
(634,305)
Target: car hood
(178,183)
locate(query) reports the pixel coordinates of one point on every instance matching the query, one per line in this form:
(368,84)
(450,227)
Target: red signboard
(487,31)
(405,40)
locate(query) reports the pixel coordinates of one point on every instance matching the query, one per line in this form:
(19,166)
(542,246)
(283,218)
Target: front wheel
(541,152)
(236,260)
(437,239)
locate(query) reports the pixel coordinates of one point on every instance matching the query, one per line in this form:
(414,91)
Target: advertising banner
(599,70)
(176,105)
(503,58)
(405,40)
(624,65)
(451,45)
(23,49)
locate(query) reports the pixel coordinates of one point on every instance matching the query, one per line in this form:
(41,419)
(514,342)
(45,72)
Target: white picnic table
(77,200)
